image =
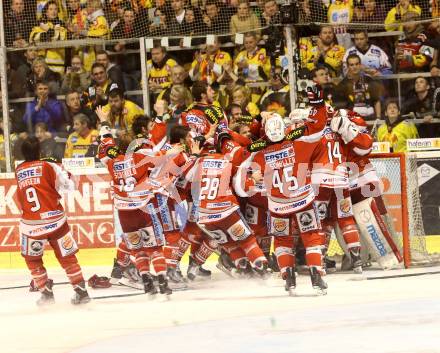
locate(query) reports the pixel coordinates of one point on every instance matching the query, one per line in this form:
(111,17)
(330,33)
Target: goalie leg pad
(371,232)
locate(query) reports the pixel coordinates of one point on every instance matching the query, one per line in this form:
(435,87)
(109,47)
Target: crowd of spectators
(248,75)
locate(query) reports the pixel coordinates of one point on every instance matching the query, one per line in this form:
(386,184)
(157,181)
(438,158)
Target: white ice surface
(224,315)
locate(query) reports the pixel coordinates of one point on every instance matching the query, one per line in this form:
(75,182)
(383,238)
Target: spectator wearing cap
(44,109)
(395,15)
(244,20)
(97,93)
(360,92)
(119,112)
(81,139)
(411,53)
(208,66)
(396,130)
(374,60)
(51,29)
(49,148)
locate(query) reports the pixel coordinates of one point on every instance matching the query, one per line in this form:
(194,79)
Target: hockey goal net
(399,176)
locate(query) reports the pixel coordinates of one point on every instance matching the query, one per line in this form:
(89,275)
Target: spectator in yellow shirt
(396,130)
(80,140)
(159,69)
(326,52)
(120,112)
(394,16)
(209,66)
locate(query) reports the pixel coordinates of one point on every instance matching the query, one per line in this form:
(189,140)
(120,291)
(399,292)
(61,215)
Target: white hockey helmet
(275,128)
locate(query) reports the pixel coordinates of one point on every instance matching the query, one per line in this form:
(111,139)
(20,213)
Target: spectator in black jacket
(18,25)
(114,72)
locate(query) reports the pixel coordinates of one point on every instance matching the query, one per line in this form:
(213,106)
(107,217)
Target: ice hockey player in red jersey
(133,193)
(43,220)
(218,210)
(285,161)
(202,114)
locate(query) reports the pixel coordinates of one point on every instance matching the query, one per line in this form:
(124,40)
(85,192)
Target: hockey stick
(27,286)
(117,296)
(403,275)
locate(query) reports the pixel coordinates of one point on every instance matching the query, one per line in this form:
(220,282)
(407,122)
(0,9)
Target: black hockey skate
(355,254)
(290,281)
(116,274)
(163,285)
(329,265)
(225,263)
(47,297)
(317,282)
(194,270)
(81,296)
(260,268)
(149,286)
(176,279)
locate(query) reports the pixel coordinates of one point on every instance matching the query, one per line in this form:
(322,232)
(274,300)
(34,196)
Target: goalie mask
(275,128)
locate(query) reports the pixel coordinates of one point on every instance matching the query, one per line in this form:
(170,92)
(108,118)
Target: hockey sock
(38,272)
(284,253)
(313,244)
(183,246)
(236,254)
(158,260)
(123,254)
(142,261)
(350,233)
(171,249)
(252,250)
(73,270)
(205,250)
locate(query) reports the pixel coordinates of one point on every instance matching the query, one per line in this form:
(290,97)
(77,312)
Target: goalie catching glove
(341,124)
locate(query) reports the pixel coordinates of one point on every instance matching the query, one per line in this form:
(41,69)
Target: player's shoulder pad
(49,159)
(257,146)
(295,133)
(214,113)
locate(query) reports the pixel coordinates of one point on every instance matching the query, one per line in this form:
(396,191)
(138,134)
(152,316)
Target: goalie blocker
(375,234)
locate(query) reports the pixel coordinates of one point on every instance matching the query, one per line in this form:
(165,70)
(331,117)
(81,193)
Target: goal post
(399,175)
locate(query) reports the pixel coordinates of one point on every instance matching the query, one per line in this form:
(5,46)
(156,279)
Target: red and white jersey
(129,175)
(211,189)
(330,169)
(316,122)
(40,185)
(286,168)
(362,170)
